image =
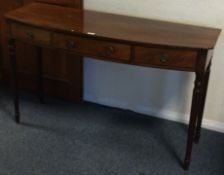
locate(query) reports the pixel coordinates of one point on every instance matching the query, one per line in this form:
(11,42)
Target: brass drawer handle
(70,45)
(109,51)
(164,58)
(30,35)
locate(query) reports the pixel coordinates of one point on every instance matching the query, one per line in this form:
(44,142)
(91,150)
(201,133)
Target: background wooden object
(62,71)
(69,3)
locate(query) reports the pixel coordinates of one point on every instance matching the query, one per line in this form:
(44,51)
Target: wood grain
(93,48)
(171,58)
(124,28)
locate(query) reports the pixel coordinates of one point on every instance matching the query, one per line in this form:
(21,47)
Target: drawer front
(91,47)
(30,34)
(166,57)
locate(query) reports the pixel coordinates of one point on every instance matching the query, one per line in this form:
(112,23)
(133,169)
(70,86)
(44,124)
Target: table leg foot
(186,164)
(40,78)
(17,117)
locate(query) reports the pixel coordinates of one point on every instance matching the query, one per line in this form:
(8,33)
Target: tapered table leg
(193,119)
(40,73)
(202,105)
(12,54)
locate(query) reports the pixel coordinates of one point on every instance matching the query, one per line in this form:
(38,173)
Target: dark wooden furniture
(121,39)
(62,71)
(4,7)
(78,4)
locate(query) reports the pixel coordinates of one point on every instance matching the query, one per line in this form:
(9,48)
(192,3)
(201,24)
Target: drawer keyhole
(109,51)
(164,58)
(30,35)
(70,44)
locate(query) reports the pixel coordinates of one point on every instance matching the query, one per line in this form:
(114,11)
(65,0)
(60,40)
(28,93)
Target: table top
(118,27)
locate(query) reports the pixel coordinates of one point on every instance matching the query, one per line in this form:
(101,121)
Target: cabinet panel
(5,6)
(62,71)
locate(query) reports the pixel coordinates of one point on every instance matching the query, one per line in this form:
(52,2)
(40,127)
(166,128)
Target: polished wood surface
(117,38)
(68,3)
(120,38)
(131,29)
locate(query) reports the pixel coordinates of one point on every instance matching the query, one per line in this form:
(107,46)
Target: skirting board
(164,114)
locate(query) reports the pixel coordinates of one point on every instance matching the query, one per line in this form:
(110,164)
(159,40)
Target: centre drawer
(89,47)
(166,58)
(30,34)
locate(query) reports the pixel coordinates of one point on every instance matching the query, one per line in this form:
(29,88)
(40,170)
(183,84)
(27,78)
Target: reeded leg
(40,74)
(12,54)
(193,119)
(203,99)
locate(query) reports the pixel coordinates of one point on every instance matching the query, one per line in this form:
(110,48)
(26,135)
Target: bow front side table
(123,39)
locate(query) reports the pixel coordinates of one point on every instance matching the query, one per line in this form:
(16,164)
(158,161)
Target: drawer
(30,34)
(95,48)
(169,58)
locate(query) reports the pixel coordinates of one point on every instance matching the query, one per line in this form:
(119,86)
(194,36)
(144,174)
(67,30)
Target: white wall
(162,93)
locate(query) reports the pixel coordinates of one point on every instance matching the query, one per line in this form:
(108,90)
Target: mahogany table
(117,38)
